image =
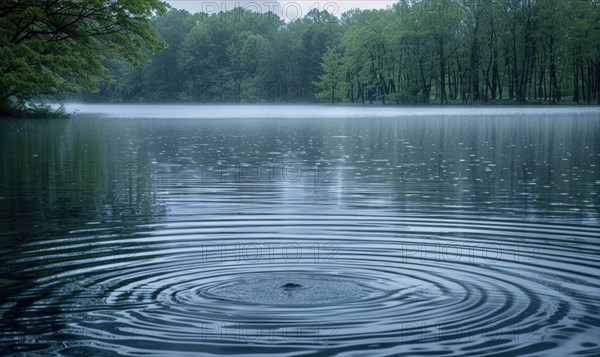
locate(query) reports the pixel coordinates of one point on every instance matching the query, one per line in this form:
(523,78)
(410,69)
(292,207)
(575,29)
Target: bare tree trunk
(598,81)
(575,80)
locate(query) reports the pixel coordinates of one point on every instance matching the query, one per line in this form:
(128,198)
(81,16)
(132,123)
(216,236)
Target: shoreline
(299,110)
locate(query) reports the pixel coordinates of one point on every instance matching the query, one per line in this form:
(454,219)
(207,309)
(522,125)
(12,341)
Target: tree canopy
(414,52)
(47,46)
(332,83)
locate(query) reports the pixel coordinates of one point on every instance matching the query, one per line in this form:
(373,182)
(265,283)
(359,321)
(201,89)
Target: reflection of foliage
(49,191)
(66,205)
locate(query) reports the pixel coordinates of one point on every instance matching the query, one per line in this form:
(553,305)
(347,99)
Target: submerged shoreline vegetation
(413,53)
(36,111)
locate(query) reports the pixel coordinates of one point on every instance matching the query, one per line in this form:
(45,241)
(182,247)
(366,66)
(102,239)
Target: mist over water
(301,231)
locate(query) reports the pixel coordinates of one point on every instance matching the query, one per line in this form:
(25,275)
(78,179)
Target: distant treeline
(432,51)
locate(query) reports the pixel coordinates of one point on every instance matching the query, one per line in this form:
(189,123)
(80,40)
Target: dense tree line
(429,51)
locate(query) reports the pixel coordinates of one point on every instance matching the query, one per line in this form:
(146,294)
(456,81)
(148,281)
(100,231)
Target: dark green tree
(48,46)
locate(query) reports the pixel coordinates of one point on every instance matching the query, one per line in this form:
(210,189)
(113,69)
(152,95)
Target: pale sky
(289,10)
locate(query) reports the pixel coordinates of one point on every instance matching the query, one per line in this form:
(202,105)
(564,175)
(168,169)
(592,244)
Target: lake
(301,231)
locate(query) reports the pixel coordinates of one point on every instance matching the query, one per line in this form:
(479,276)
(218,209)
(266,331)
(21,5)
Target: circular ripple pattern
(384,261)
(420,284)
(289,289)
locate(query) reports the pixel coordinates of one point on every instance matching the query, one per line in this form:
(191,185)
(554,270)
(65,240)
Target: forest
(415,52)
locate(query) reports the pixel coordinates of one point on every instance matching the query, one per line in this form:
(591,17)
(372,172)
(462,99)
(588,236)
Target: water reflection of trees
(69,197)
(68,172)
(530,165)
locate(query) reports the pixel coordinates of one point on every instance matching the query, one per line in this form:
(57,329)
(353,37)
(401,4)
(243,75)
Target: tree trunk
(475,69)
(495,77)
(443,99)
(589,82)
(582,80)
(598,81)
(575,81)
(425,88)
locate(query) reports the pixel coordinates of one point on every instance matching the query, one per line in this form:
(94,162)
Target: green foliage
(44,111)
(416,52)
(234,56)
(51,46)
(332,82)
(474,51)
(35,110)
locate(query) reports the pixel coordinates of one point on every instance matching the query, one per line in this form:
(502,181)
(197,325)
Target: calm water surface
(301,231)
